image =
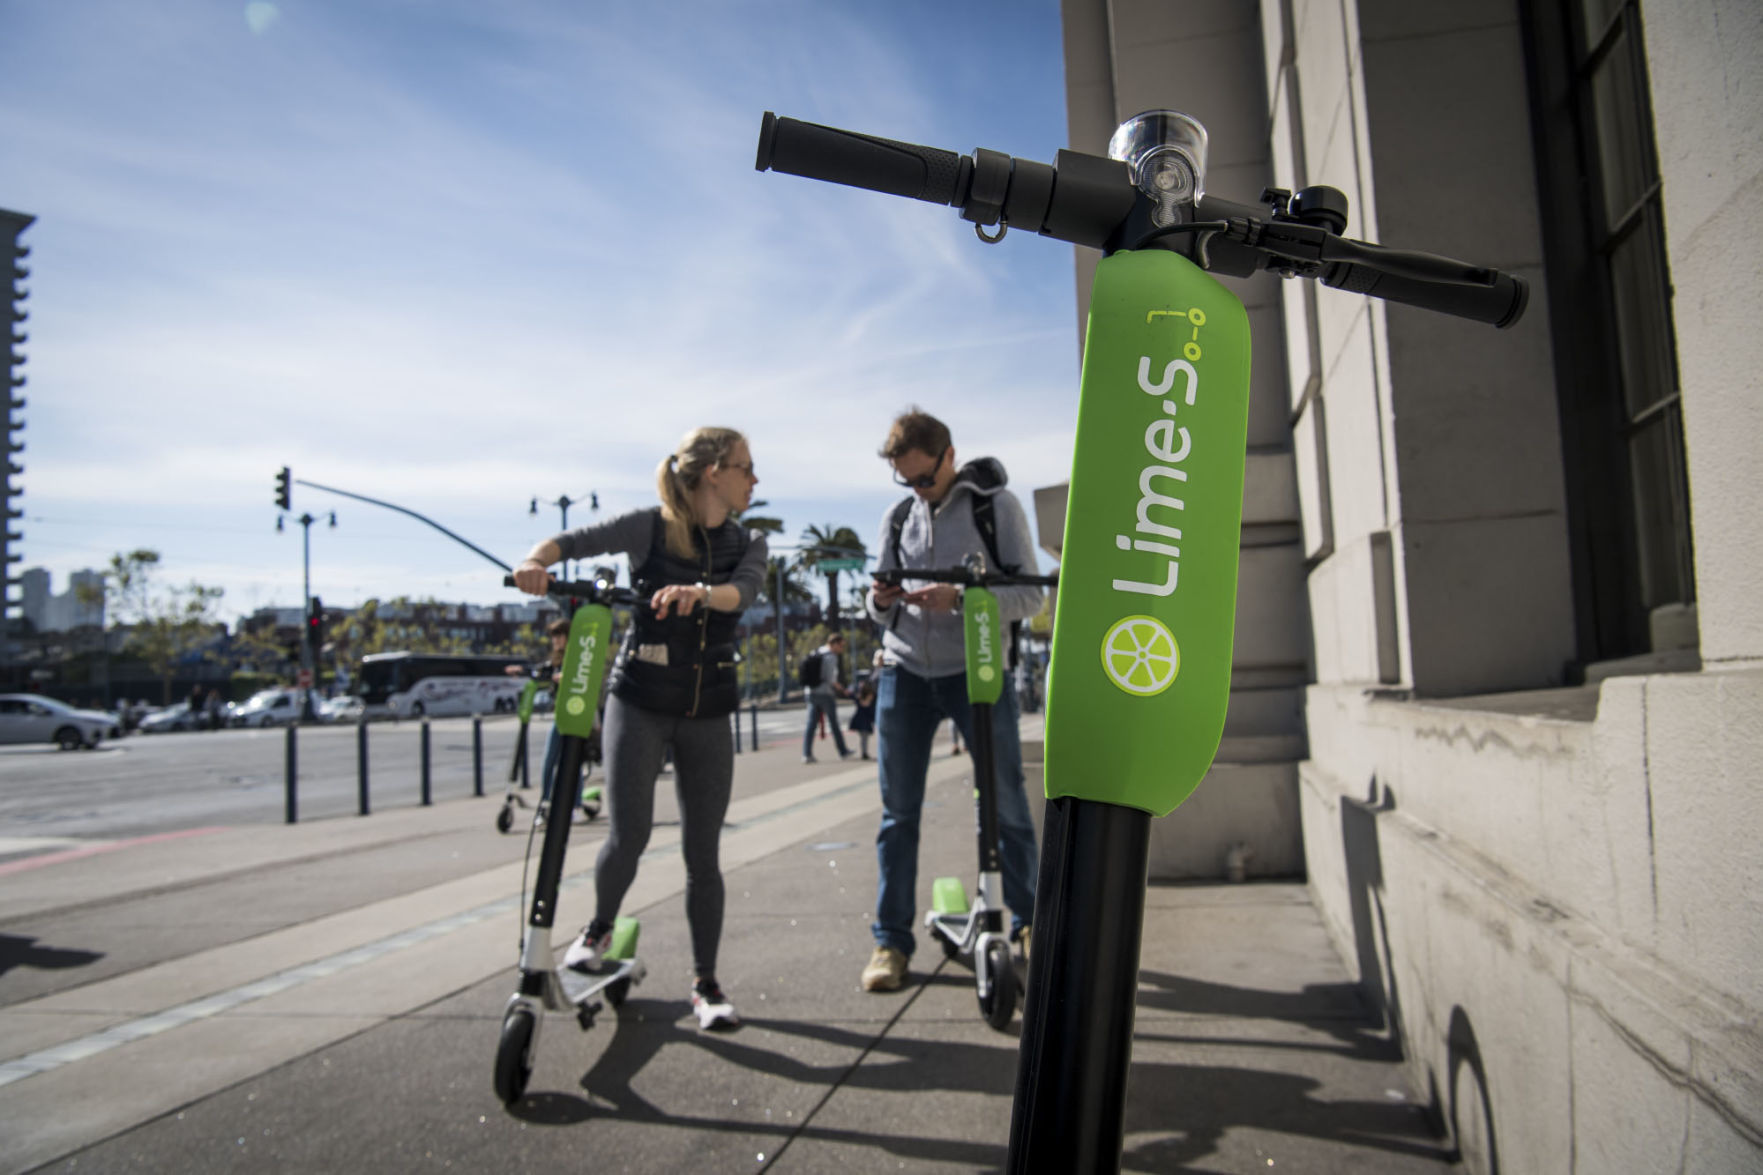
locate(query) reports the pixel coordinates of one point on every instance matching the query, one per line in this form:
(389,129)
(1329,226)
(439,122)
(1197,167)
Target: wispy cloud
(457,255)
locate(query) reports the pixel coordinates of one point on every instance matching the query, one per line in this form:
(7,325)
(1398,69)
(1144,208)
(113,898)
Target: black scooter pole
(985,779)
(1077,1017)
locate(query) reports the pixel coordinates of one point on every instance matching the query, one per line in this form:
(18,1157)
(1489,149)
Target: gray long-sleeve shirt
(633,535)
(930,644)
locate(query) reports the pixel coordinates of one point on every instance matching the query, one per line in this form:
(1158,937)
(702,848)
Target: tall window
(1610,298)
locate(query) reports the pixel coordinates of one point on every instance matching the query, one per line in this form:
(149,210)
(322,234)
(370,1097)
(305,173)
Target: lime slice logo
(577,704)
(1140,656)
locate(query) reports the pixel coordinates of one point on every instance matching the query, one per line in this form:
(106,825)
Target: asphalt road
(142,785)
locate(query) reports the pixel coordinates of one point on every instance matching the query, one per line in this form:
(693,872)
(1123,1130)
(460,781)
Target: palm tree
(762,523)
(826,544)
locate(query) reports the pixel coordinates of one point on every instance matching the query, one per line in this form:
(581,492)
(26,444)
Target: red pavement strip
(94,850)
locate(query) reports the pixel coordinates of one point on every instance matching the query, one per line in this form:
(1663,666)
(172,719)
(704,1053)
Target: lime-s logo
(1140,656)
(576,705)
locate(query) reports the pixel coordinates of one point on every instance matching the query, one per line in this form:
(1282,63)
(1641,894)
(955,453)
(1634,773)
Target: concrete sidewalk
(327,997)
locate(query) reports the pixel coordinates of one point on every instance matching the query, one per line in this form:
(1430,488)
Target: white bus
(415,685)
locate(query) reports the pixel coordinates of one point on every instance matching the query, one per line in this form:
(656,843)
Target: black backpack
(809,671)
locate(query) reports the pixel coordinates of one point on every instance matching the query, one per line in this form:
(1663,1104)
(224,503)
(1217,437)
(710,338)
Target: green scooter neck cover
(524,707)
(1142,633)
(985,649)
(584,670)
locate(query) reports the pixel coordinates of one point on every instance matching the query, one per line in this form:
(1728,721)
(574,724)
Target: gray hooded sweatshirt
(930,644)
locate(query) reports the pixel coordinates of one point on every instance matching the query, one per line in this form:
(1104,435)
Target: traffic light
(284,489)
(315,620)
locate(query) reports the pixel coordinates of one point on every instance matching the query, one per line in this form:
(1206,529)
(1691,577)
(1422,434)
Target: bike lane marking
(86,848)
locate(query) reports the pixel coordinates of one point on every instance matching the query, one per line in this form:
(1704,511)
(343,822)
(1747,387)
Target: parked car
(32,718)
(269,707)
(342,708)
(176,716)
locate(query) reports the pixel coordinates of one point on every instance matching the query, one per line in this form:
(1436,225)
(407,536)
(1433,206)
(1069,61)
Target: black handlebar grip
(1500,302)
(860,161)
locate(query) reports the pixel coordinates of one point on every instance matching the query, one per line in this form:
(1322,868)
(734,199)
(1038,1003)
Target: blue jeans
(907,710)
(820,704)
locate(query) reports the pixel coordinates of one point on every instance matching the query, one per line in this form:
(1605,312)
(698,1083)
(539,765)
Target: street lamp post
(563,504)
(308,654)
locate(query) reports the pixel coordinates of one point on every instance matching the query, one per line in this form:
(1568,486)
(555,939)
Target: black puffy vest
(699,678)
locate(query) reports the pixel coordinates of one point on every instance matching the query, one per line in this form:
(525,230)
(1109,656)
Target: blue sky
(459,254)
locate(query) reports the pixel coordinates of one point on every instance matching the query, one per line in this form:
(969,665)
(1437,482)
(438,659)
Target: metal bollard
(755,712)
(477,755)
(361,766)
(291,771)
(427,798)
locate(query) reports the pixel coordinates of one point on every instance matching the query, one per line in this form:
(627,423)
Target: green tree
(826,544)
(765,524)
(163,625)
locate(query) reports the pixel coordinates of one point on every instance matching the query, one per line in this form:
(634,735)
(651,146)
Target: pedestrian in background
(863,718)
(824,695)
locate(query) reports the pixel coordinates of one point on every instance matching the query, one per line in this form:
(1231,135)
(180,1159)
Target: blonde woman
(673,683)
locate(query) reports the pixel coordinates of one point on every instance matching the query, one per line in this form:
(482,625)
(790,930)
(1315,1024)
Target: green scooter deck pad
(624,939)
(1143,629)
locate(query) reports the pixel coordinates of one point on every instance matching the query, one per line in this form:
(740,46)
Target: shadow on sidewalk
(1337,1009)
(883,1063)
(20,951)
(1201,1103)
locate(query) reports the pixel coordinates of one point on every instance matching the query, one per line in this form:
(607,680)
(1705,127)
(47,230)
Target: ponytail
(700,451)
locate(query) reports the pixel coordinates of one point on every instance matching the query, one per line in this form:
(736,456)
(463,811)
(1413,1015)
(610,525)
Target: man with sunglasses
(954,511)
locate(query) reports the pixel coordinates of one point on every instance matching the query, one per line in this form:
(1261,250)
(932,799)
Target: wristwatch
(705,588)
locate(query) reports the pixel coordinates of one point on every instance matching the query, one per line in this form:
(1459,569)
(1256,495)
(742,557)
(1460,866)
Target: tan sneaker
(1022,940)
(886,970)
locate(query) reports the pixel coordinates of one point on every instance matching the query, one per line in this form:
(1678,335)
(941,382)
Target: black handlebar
(594,591)
(1499,299)
(860,161)
(1090,200)
(965,576)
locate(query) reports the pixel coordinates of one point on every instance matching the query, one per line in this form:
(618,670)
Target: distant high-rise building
(12,225)
(38,589)
(52,611)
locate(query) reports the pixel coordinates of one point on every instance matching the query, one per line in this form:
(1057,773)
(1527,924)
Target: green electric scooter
(542,985)
(592,797)
(975,931)
(1140,675)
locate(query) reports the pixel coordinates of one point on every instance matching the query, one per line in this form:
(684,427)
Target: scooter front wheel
(999,1004)
(514,1059)
(505,819)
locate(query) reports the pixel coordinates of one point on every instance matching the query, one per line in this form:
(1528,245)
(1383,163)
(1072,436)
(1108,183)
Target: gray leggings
(703,775)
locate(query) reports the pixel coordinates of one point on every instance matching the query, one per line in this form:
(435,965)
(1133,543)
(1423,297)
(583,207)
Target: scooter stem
(985,780)
(1077,1017)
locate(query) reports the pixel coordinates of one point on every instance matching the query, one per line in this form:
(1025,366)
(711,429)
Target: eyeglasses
(923,481)
(746,469)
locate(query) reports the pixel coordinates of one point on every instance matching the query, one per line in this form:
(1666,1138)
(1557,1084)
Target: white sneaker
(713,1009)
(588,952)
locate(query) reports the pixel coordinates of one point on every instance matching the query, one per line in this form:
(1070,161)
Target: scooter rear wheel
(505,819)
(999,1004)
(514,1062)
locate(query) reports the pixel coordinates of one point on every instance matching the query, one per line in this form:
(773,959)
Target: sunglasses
(923,481)
(746,469)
